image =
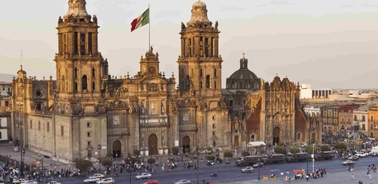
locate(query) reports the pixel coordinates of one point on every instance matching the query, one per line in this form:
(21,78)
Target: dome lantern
(199,14)
(76,8)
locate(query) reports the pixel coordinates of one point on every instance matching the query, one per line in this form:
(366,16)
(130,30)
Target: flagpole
(149,28)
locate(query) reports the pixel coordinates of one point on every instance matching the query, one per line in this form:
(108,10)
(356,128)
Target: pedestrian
(307,177)
(353,176)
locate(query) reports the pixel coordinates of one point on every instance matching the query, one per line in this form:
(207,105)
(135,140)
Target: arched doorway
(152,145)
(313,138)
(276,135)
(186,144)
(117,149)
(236,141)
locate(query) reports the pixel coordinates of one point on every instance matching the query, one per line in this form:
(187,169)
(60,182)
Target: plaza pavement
(329,178)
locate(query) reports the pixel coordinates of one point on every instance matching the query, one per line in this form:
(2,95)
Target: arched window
(215,72)
(75,87)
(200,84)
(215,84)
(200,72)
(75,75)
(93,86)
(84,82)
(208,81)
(93,72)
(252,137)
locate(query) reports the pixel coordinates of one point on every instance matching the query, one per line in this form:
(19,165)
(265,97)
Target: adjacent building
(346,116)
(360,119)
(373,121)
(330,115)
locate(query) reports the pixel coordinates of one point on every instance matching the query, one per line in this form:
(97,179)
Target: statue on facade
(183,27)
(142,108)
(142,141)
(216,24)
(162,108)
(162,141)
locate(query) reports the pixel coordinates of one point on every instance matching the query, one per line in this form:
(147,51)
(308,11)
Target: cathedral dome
(243,72)
(199,14)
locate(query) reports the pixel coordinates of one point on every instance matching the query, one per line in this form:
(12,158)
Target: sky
(328,44)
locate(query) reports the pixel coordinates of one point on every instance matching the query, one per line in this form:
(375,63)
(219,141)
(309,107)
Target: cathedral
(88,113)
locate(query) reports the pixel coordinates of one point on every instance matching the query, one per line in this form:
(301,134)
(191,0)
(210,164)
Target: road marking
(274,170)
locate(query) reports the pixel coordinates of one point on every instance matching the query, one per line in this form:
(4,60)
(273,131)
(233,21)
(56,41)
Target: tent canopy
(256,144)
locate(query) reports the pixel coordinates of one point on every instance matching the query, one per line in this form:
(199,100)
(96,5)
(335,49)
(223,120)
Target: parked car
(106,181)
(361,155)
(247,169)
(184,181)
(91,179)
(354,158)
(151,182)
(98,175)
(348,162)
(258,164)
(143,176)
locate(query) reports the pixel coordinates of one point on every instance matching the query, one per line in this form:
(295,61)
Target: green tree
(151,161)
(83,165)
(309,149)
(245,153)
(136,152)
(210,157)
(107,163)
(228,154)
(325,148)
(340,146)
(130,159)
(294,150)
(280,150)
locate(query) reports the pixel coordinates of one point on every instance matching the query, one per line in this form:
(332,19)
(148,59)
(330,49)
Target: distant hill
(6,77)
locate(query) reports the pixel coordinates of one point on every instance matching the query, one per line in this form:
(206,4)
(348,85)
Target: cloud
(281,2)
(231,8)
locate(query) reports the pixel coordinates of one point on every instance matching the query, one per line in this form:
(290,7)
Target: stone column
(183,47)
(216,47)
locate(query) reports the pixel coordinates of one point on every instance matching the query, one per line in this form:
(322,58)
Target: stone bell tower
(79,66)
(200,63)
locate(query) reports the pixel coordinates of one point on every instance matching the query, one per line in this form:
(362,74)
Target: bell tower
(79,66)
(200,63)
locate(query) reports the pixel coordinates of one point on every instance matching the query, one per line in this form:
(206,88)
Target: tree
(210,157)
(280,150)
(107,163)
(228,154)
(151,161)
(83,165)
(340,146)
(294,150)
(136,152)
(325,148)
(309,149)
(175,150)
(245,153)
(130,159)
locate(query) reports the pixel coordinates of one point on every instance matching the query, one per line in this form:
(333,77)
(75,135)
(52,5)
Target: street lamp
(258,177)
(22,151)
(129,170)
(197,163)
(99,157)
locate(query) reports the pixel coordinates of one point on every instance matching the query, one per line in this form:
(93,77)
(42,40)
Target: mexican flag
(141,20)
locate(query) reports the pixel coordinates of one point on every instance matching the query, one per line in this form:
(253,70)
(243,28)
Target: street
(231,173)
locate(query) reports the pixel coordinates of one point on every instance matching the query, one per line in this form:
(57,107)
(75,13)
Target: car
(247,170)
(151,182)
(106,181)
(348,162)
(98,175)
(354,158)
(361,155)
(143,176)
(258,164)
(30,182)
(184,181)
(91,179)
(54,182)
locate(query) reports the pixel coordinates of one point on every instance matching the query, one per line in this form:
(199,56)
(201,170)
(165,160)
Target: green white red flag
(141,20)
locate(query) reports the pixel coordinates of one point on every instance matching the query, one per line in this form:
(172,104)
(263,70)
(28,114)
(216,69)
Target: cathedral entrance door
(276,135)
(117,149)
(152,145)
(236,141)
(186,144)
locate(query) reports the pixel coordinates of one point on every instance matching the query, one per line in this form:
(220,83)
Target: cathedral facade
(87,113)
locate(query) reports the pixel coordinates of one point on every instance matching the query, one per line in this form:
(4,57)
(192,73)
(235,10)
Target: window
(231,103)
(84,82)
(214,125)
(252,137)
(355,117)
(215,72)
(363,127)
(48,127)
(214,143)
(363,118)
(39,126)
(371,118)
(93,86)
(6,103)
(200,84)
(200,72)
(82,43)
(75,74)
(89,153)
(299,136)
(39,106)
(62,131)
(31,124)
(215,84)
(93,72)
(89,134)
(75,87)
(90,43)
(213,133)
(75,43)
(213,117)
(89,143)
(208,81)
(342,120)
(89,125)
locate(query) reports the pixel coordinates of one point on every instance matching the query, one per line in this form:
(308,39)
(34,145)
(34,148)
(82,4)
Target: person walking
(353,176)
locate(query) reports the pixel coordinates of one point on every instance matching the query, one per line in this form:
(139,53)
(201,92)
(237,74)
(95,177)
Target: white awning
(256,144)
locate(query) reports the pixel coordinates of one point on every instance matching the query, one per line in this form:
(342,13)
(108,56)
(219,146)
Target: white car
(247,170)
(106,180)
(53,182)
(20,181)
(91,179)
(361,155)
(30,182)
(143,176)
(99,175)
